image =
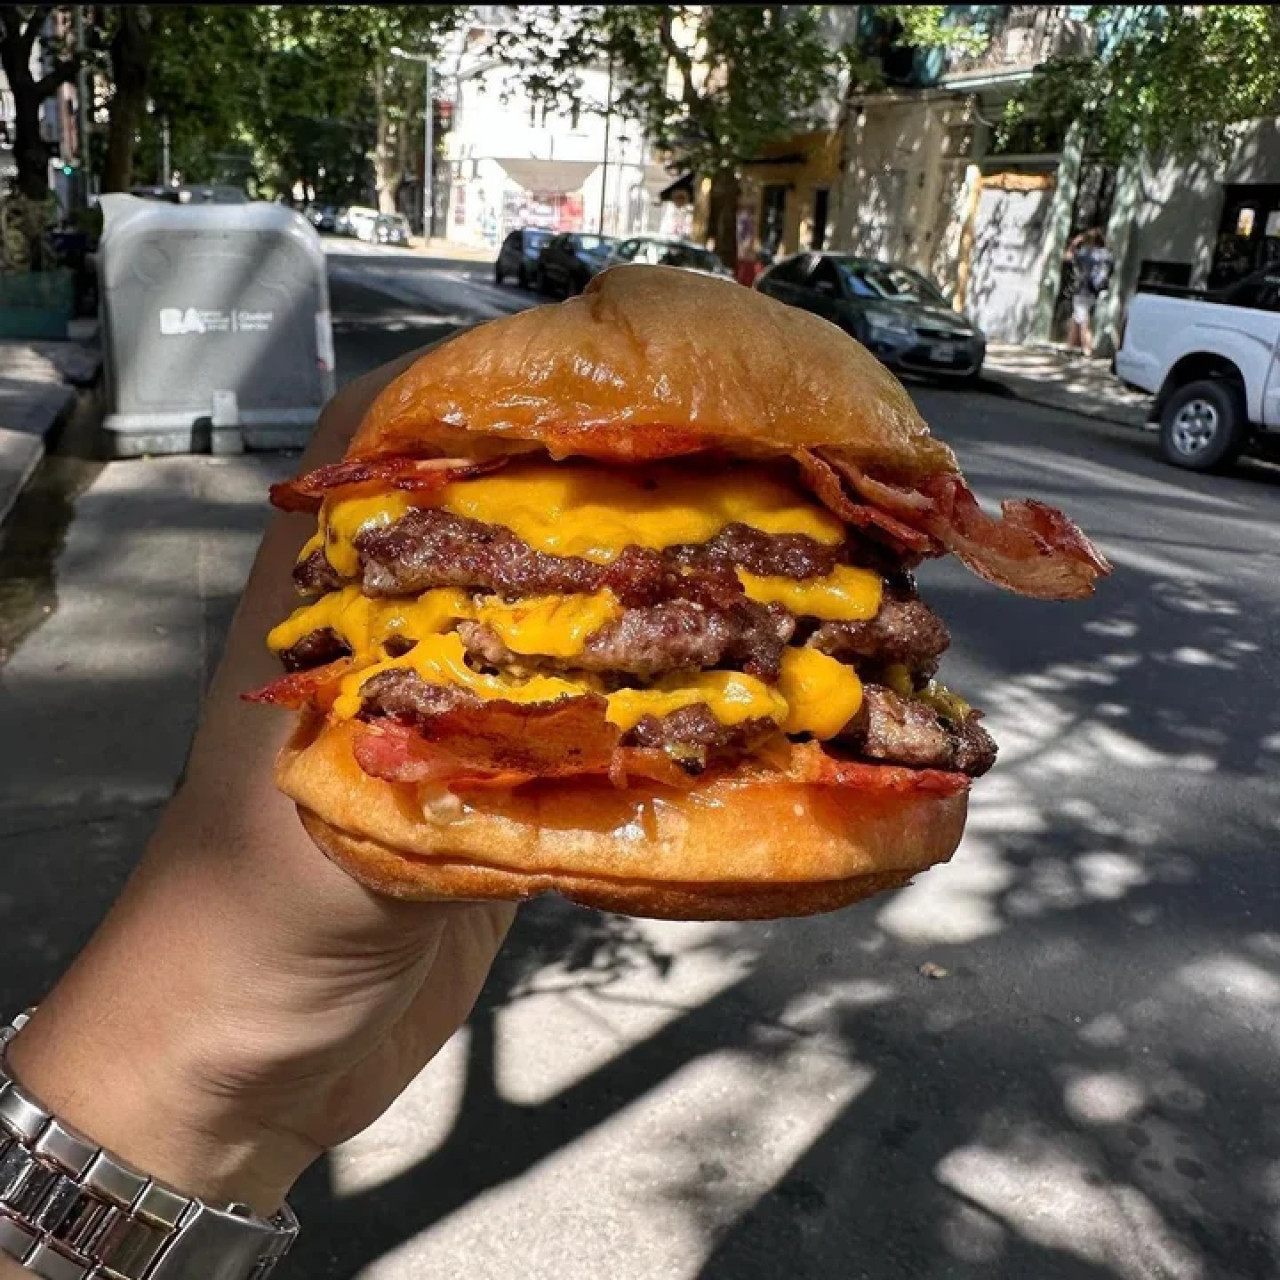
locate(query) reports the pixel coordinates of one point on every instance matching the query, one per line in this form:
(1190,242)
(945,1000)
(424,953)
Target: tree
(20,27)
(1167,80)
(712,84)
(130,53)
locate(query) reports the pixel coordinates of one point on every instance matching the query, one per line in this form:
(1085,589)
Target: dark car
(662,251)
(391,228)
(322,217)
(569,260)
(899,316)
(519,255)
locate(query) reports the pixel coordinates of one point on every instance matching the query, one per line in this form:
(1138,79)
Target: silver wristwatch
(71,1211)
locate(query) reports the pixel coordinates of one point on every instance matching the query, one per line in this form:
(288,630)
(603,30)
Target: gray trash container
(215,326)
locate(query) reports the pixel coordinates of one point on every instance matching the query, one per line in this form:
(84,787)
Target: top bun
(654,362)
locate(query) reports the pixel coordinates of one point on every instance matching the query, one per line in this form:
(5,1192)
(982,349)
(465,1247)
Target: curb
(1121,416)
(20,455)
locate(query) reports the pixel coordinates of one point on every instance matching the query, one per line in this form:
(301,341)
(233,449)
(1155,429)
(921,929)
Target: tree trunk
(722,216)
(130,68)
(384,161)
(29,151)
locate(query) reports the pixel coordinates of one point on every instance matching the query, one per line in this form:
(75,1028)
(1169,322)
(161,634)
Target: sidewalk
(1048,375)
(35,398)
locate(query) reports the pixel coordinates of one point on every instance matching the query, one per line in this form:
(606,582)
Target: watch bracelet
(70,1210)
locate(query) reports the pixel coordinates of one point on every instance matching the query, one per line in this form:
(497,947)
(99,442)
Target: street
(1055,1058)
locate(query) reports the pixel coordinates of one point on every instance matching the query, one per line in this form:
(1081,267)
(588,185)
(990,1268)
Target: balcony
(1022,37)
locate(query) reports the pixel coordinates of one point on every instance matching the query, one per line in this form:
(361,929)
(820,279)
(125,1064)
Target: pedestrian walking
(1091,264)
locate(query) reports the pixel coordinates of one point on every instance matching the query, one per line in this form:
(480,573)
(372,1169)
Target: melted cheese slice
(844,595)
(579,509)
(821,694)
(554,626)
(442,659)
(729,695)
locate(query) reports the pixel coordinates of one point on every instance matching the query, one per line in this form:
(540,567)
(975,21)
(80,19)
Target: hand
(246,1005)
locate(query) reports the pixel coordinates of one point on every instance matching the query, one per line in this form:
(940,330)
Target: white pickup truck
(1213,363)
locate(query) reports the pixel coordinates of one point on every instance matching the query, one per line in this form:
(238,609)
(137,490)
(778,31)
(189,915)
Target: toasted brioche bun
(654,362)
(725,850)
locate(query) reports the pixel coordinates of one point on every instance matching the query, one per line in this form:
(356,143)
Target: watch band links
(71,1211)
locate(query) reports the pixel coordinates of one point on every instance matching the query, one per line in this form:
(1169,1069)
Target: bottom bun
(724,851)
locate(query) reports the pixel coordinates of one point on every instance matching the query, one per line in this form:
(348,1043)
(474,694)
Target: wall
(495,120)
(903,175)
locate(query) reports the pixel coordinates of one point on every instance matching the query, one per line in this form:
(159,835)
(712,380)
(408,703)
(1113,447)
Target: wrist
(129,1094)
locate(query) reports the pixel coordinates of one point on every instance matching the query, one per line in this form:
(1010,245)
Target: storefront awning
(560,176)
(683,185)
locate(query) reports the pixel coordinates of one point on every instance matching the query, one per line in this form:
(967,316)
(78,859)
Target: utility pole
(165,168)
(428,157)
(608,120)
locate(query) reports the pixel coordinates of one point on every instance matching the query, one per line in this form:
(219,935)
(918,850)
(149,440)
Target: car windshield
(536,239)
(883,280)
(594,245)
(683,255)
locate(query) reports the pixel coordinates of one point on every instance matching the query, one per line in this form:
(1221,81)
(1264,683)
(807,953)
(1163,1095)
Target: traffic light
(67,169)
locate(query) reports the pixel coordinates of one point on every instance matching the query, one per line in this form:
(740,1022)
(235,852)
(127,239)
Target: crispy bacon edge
(397,471)
(1031,548)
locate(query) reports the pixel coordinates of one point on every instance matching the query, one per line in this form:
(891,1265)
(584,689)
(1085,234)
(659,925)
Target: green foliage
(280,93)
(1169,80)
(711,83)
(931,26)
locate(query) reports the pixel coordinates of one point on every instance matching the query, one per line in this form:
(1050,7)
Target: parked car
(322,217)
(519,255)
(1213,364)
(391,228)
(569,260)
(896,313)
(356,220)
(666,252)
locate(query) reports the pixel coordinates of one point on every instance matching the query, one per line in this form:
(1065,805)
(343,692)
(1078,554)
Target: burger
(615,599)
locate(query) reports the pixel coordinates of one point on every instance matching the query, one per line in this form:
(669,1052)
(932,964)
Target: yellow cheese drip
(341,521)
(730,696)
(554,626)
(844,595)
(821,694)
(366,624)
(441,659)
(579,509)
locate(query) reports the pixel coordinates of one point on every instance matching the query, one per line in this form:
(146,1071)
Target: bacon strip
(825,482)
(810,763)
(502,744)
(315,687)
(397,471)
(1032,548)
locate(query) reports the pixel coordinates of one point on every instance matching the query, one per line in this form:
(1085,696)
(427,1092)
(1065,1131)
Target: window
(1261,292)
(825,279)
(884,280)
(627,250)
(790,270)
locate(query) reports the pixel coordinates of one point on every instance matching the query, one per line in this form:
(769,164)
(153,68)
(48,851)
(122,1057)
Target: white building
(511,162)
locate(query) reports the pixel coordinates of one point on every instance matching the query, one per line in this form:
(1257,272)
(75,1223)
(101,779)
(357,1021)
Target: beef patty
(677,635)
(429,548)
(887,730)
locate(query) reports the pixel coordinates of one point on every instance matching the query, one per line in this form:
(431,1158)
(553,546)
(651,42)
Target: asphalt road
(1086,1088)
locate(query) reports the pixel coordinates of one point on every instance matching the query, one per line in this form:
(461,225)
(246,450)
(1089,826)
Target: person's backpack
(1099,270)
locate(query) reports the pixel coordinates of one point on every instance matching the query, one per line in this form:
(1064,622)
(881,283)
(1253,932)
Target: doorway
(773,216)
(821,210)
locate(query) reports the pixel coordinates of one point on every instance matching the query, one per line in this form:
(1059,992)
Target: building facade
(511,161)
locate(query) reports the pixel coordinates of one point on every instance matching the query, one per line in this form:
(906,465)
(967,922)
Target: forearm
(119,1047)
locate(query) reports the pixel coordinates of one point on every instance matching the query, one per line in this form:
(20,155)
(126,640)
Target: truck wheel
(1203,425)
